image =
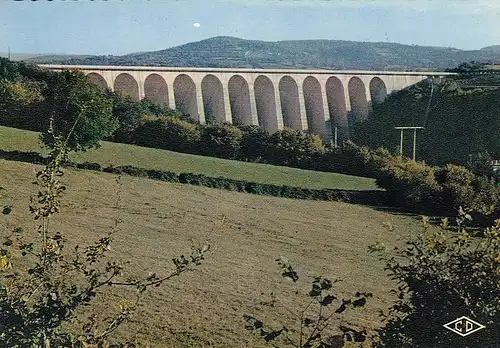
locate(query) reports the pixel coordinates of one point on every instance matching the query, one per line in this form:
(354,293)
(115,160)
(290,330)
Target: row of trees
(30,98)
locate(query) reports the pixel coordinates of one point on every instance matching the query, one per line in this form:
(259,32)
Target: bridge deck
(245,70)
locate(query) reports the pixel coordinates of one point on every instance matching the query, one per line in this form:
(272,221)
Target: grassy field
(204,308)
(121,154)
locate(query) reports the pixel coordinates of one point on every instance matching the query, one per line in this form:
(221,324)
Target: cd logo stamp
(464,326)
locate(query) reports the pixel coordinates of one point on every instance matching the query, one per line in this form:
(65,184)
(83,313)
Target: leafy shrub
(410,184)
(162,175)
(169,133)
(129,114)
(151,108)
(254,144)
(456,188)
(18,102)
(480,164)
(291,147)
(30,157)
(220,140)
(443,276)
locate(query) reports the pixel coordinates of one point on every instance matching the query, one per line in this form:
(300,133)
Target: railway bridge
(315,101)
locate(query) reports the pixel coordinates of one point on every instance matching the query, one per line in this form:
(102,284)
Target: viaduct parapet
(313,101)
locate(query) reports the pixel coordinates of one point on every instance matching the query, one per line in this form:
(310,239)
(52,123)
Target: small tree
(39,299)
(171,133)
(128,113)
(480,164)
(80,112)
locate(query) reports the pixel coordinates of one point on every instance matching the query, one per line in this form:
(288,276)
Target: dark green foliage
(9,70)
(410,184)
(19,103)
(31,97)
(128,113)
(162,175)
(480,164)
(169,133)
(459,119)
(442,276)
(418,187)
(220,140)
(469,67)
(29,157)
(456,188)
(254,144)
(89,165)
(150,108)
(291,148)
(80,109)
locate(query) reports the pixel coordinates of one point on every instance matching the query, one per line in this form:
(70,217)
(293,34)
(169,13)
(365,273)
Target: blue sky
(119,27)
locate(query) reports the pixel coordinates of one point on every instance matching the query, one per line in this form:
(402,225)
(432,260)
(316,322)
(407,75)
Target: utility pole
(402,129)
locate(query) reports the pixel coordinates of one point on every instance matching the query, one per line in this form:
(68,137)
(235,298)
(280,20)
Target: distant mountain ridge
(231,52)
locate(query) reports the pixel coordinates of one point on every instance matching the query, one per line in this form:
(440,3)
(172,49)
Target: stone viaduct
(313,101)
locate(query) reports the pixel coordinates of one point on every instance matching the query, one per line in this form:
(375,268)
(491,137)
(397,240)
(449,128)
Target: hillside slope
(329,54)
(460,116)
(159,221)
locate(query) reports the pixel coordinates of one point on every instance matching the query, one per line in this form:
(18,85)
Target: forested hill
(233,52)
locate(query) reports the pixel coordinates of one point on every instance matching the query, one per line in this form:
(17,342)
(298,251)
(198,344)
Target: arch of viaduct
(313,101)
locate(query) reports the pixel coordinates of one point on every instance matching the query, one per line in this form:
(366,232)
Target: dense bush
(291,147)
(409,183)
(220,140)
(455,187)
(32,98)
(128,113)
(480,164)
(254,144)
(19,101)
(169,133)
(418,187)
(89,166)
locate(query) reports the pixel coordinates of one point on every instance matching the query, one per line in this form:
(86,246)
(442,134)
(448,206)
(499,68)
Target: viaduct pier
(312,101)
